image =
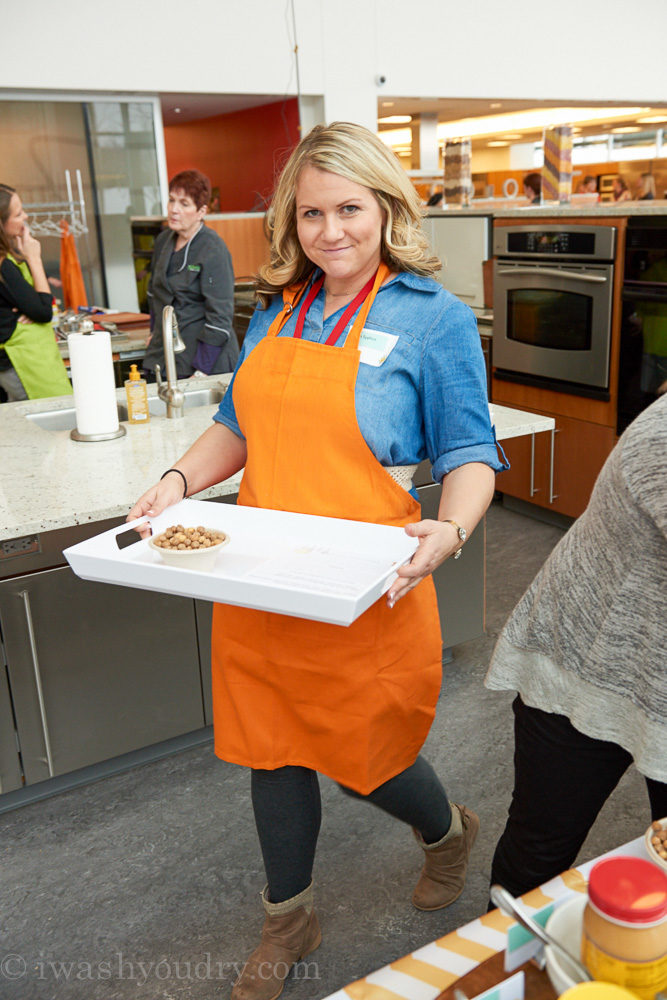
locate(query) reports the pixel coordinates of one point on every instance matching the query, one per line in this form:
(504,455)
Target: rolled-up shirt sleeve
(457,424)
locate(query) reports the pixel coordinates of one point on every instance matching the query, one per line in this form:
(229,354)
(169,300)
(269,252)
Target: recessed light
(388,104)
(512,135)
(395,120)
(498,142)
(496,104)
(176,111)
(653,119)
(627,128)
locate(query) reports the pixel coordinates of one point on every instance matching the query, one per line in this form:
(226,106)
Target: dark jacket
(202,294)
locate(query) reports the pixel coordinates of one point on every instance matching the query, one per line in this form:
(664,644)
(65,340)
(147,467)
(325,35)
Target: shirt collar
(416,281)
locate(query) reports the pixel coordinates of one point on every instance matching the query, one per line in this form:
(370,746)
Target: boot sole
(315,945)
(442,906)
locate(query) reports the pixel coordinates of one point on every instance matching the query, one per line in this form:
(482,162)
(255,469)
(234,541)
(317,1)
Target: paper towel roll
(91,366)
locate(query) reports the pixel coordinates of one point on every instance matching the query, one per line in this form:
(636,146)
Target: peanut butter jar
(624,939)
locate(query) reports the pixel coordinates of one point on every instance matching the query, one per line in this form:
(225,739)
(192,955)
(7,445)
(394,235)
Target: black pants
(561,781)
(287,808)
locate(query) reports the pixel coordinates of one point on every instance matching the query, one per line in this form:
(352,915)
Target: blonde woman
(356,366)
(646,188)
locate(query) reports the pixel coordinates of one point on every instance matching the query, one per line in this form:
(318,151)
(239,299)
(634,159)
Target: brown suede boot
(444,873)
(291,931)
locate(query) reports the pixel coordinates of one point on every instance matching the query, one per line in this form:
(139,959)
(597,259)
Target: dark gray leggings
(288,813)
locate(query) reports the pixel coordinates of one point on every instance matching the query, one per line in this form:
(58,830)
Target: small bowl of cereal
(190,548)
(656,842)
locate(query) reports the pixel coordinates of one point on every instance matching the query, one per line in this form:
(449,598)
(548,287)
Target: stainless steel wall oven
(552,306)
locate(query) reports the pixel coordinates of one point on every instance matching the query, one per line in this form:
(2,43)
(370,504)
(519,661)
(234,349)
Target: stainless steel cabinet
(459,583)
(95,671)
(10,772)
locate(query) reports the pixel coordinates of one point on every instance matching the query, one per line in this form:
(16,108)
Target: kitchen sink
(65,420)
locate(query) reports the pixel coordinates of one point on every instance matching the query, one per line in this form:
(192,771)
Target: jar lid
(597,991)
(629,889)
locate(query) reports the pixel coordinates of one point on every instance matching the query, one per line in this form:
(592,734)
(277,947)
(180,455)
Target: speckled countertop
(50,481)
(554,210)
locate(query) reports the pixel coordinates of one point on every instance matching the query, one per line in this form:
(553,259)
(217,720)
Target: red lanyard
(342,322)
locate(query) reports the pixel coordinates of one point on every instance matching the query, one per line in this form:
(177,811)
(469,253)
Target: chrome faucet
(173,345)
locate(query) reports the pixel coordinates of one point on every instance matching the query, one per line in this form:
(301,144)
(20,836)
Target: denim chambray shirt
(428,399)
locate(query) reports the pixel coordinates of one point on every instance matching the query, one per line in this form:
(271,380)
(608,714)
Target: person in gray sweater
(586,650)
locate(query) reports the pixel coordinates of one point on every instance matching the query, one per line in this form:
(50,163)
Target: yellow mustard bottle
(137,398)
(624,936)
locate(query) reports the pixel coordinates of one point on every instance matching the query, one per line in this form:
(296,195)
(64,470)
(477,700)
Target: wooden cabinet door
(517,481)
(580,451)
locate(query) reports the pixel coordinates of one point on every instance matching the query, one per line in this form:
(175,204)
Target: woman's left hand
(438,540)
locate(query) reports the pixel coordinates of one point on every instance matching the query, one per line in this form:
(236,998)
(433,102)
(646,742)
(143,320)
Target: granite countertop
(554,210)
(53,482)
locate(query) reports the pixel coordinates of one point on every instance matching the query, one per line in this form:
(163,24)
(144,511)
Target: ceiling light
(396,137)
(512,135)
(395,120)
(534,118)
(652,119)
(177,111)
(495,105)
(498,142)
(388,104)
(627,128)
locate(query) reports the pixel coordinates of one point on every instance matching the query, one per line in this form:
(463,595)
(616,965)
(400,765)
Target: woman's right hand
(165,493)
(28,246)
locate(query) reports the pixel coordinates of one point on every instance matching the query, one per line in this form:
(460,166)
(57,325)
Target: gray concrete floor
(145,886)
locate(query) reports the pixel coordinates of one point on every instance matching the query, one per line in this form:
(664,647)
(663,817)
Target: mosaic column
(557,169)
(458,174)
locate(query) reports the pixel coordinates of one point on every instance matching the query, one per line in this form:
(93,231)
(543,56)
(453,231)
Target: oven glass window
(547,318)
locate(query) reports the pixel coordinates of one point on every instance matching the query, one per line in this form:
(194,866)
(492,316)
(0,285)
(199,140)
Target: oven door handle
(552,272)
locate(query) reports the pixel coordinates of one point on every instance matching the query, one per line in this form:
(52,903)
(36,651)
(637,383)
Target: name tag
(376,346)
(194,267)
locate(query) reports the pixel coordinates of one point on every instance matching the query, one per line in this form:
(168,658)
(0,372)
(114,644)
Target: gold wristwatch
(461,532)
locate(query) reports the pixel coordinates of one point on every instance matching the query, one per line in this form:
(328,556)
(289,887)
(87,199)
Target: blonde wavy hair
(353,152)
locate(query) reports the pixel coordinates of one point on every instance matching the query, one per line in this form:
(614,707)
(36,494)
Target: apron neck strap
(352,341)
(292,294)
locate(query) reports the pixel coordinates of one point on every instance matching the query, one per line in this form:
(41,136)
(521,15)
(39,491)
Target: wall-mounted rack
(45,217)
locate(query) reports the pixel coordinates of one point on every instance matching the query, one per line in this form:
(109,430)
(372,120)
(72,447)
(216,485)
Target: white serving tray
(323,568)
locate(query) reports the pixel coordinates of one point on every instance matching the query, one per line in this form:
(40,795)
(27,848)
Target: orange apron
(353,703)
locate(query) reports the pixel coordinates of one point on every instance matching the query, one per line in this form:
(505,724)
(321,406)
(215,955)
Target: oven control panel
(576,243)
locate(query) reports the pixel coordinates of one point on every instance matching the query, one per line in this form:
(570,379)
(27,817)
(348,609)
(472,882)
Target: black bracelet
(185,482)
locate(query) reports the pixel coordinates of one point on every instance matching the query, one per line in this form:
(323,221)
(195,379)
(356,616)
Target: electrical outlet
(19,546)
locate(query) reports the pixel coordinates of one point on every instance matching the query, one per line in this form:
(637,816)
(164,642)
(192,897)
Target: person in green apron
(30,363)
